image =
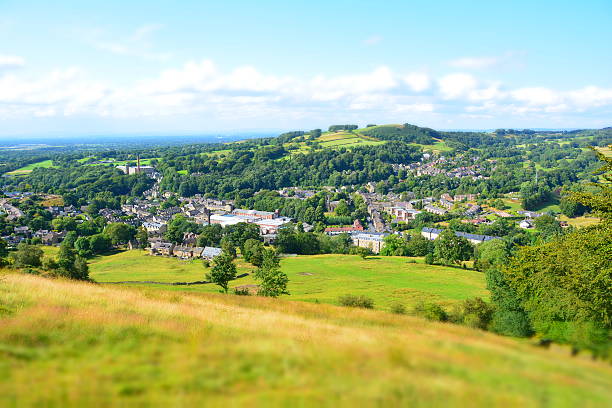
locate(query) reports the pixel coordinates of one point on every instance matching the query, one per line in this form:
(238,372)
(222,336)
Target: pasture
(312,278)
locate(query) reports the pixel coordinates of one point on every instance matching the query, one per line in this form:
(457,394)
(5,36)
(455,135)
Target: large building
(372,241)
(433,233)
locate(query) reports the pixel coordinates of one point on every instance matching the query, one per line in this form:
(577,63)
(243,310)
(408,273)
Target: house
(472,210)
(50,237)
(155,227)
(356,227)
(183,252)
(190,238)
(404,214)
(526,224)
(446,203)
(23,231)
(446,197)
(372,241)
(435,210)
(161,248)
(211,252)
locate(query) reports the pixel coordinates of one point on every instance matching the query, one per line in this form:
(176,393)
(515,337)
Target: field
(67,344)
(28,169)
(316,278)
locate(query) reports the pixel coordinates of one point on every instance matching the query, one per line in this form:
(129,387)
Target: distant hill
(77,344)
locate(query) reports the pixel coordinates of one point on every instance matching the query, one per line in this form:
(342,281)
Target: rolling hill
(78,344)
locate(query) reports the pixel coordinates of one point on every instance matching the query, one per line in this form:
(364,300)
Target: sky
(195,67)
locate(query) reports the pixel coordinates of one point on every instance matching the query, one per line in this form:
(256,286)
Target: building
(211,252)
(404,214)
(435,210)
(433,233)
(155,227)
(254,213)
(373,241)
(271,226)
(356,227)
(161,248)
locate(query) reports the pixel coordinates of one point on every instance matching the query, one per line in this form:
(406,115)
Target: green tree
(210,236)
(142,237)
(253,251)
(27,255)
(119,233)
(223,271)
(451,249)
(272,281)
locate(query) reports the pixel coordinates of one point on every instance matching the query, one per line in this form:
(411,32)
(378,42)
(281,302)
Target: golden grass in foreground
(77,344)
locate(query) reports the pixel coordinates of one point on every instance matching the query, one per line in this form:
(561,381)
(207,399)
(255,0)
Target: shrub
(430,311)
(398,308)
(475,313)
(206,263)
(429,259)
(242,292)
(356,301)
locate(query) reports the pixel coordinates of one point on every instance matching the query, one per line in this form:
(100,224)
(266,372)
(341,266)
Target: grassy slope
(320,278)
(28,169)
(76,344)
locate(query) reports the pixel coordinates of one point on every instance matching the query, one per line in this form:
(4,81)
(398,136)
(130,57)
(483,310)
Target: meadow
(69,344)
(45,164)
(312,278)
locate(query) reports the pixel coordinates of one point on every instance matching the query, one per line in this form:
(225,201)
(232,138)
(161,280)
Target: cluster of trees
(82,185)
(67,264)
(242,174)
(335,128)
(406,133)
(271,280)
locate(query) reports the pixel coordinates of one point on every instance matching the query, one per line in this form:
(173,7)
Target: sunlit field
(66,344)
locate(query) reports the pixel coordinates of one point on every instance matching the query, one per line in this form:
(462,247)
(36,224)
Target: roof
(475,237)
(211,252)
(370,236)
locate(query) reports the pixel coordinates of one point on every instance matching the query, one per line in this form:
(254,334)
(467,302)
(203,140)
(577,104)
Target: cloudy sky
(193,67)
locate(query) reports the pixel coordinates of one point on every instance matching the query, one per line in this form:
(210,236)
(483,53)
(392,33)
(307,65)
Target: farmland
(85,344)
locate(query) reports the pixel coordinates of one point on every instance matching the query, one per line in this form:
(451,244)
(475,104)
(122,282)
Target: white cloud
(203,89)
(455,86)
(508,59)
(474,62)
(373,40)
(417,81)
(11,61)
(137,44)
(536,96)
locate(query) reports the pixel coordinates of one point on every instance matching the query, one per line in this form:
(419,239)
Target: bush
(206,263)
(430,311)
(242,292)
(474,313)
(356,301)
(429,259)
(398,308)
(511,323)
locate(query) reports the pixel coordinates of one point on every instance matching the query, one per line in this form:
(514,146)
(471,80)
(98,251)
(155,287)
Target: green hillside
(67,344)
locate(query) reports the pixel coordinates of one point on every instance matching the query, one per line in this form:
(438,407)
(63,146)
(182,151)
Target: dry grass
(78,344)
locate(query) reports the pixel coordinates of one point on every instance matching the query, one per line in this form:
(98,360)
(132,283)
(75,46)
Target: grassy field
(67,344)
(315,278)
(28,169)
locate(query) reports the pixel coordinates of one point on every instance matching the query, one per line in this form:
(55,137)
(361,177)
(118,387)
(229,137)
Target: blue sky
(197,67)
